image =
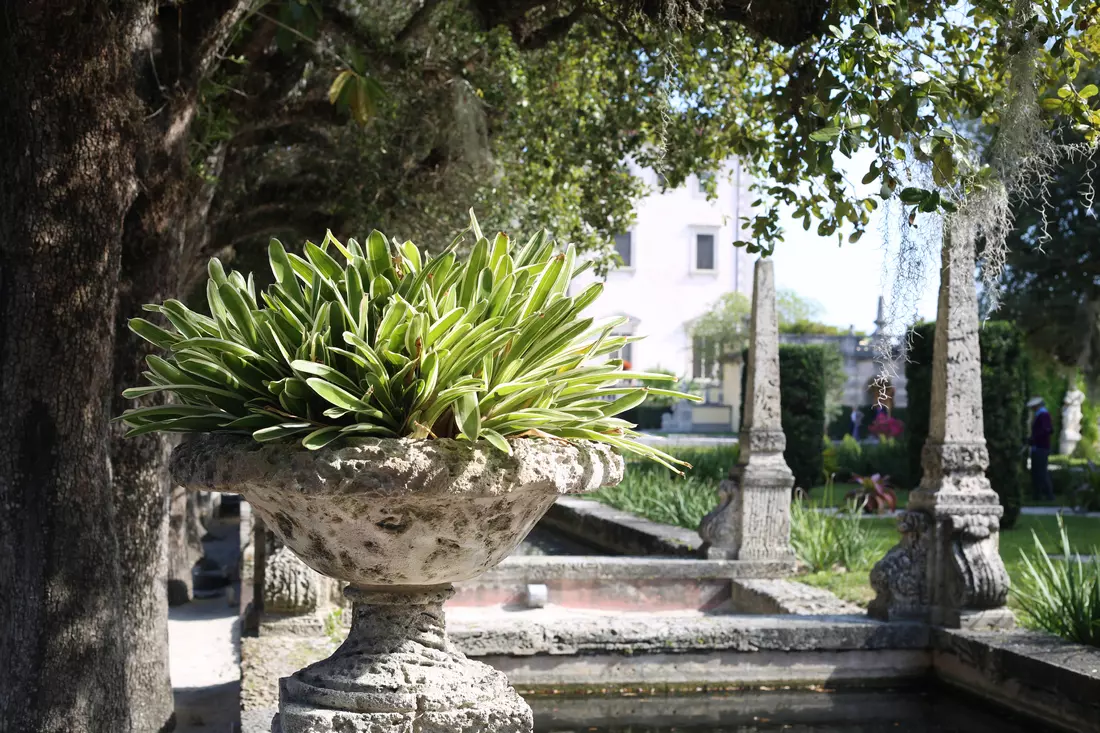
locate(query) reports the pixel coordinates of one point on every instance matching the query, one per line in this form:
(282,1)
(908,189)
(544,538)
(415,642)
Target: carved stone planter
(399,521)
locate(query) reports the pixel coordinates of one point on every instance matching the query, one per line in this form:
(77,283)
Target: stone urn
(399,521)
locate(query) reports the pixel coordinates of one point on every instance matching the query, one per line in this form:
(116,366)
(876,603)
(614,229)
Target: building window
(704,252)
(702,181)
(704,358)
(624,246)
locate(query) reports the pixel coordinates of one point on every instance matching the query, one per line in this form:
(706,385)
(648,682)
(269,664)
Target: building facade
(678,259)
(870,381)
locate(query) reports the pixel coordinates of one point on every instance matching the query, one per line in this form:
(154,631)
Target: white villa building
(678,259)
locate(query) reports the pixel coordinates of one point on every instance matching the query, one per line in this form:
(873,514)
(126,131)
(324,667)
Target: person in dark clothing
(1042,427)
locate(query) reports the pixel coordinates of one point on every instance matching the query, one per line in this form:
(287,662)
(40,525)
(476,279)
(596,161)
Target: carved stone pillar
(753,518)
(947,569)
(295,595)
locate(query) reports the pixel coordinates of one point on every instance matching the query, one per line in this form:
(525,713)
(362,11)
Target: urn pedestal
(399,521)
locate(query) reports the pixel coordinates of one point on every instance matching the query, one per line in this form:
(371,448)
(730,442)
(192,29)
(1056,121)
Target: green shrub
(1061,596)
(707,464)
(802,398)
(889,457)
(1069,461)
(1004,400)
(849,459)
(829,464)
(1089,446)
(1066,480)
(839,423)
(383,340)
(823,540)
(918,384)
(645,416)
(661,498)
(1004,396)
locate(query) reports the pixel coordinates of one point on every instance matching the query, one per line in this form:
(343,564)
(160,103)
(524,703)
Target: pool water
(865,711)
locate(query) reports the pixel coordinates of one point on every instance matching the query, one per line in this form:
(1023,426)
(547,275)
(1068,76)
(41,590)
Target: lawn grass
(684,502)
(652,492)
(818,495)
(1084,533)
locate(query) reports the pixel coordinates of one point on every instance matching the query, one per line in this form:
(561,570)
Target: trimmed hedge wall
(918,385)
(1004,407)
(1004,398)
(802,399)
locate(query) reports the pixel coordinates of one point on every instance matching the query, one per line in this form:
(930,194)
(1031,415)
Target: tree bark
(67,178)
(140,465)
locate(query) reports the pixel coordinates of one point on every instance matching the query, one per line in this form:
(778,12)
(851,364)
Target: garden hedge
(1004,398)
(803,386)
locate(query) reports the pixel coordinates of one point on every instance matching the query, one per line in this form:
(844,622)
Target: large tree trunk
(140,464)
(68,121)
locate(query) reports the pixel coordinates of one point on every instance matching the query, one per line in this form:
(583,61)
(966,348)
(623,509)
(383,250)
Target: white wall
(662,292)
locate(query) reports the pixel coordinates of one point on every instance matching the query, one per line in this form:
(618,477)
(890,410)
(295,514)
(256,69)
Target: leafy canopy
(380,340)
(539,108)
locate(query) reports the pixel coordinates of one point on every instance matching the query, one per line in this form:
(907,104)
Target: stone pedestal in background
(1071,421)
(947,569)
(753,518)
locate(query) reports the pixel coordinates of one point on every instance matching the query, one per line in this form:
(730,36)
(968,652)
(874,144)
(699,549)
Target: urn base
(397,671)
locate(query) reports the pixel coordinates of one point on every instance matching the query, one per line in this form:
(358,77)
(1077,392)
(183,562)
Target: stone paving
(204,646)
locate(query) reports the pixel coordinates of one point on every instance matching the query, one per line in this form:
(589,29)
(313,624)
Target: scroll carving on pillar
(898,578)
(980,581)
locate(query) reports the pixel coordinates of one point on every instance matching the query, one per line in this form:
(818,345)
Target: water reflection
(870,711)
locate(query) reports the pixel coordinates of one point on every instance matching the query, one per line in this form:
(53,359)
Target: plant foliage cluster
(824,539)
(383,340)
(1061,596)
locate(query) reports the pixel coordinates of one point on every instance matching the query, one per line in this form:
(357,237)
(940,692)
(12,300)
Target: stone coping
(1034,674)
(559,650)
(540,568)
(557,632)
(619,532)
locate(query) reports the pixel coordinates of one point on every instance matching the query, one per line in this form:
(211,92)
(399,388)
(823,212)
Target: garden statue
(400,421)
(1071,421)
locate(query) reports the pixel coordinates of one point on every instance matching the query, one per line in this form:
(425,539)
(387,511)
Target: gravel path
(204,642)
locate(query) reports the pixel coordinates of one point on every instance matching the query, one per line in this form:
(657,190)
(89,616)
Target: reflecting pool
(864,711)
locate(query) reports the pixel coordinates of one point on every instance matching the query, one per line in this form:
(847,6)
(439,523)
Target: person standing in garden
(857,420)
(1042,427)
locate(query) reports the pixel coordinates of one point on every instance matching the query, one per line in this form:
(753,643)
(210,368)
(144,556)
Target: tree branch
(418,20)
(552,31)
(787,22)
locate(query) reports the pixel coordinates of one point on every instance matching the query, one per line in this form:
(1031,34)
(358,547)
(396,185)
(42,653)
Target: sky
(847,280)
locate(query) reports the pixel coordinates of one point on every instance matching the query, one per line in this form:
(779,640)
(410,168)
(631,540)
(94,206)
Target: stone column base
(398,672)
(946,570)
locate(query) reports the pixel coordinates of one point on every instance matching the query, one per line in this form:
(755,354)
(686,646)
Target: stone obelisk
(947,569)
(752,521)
